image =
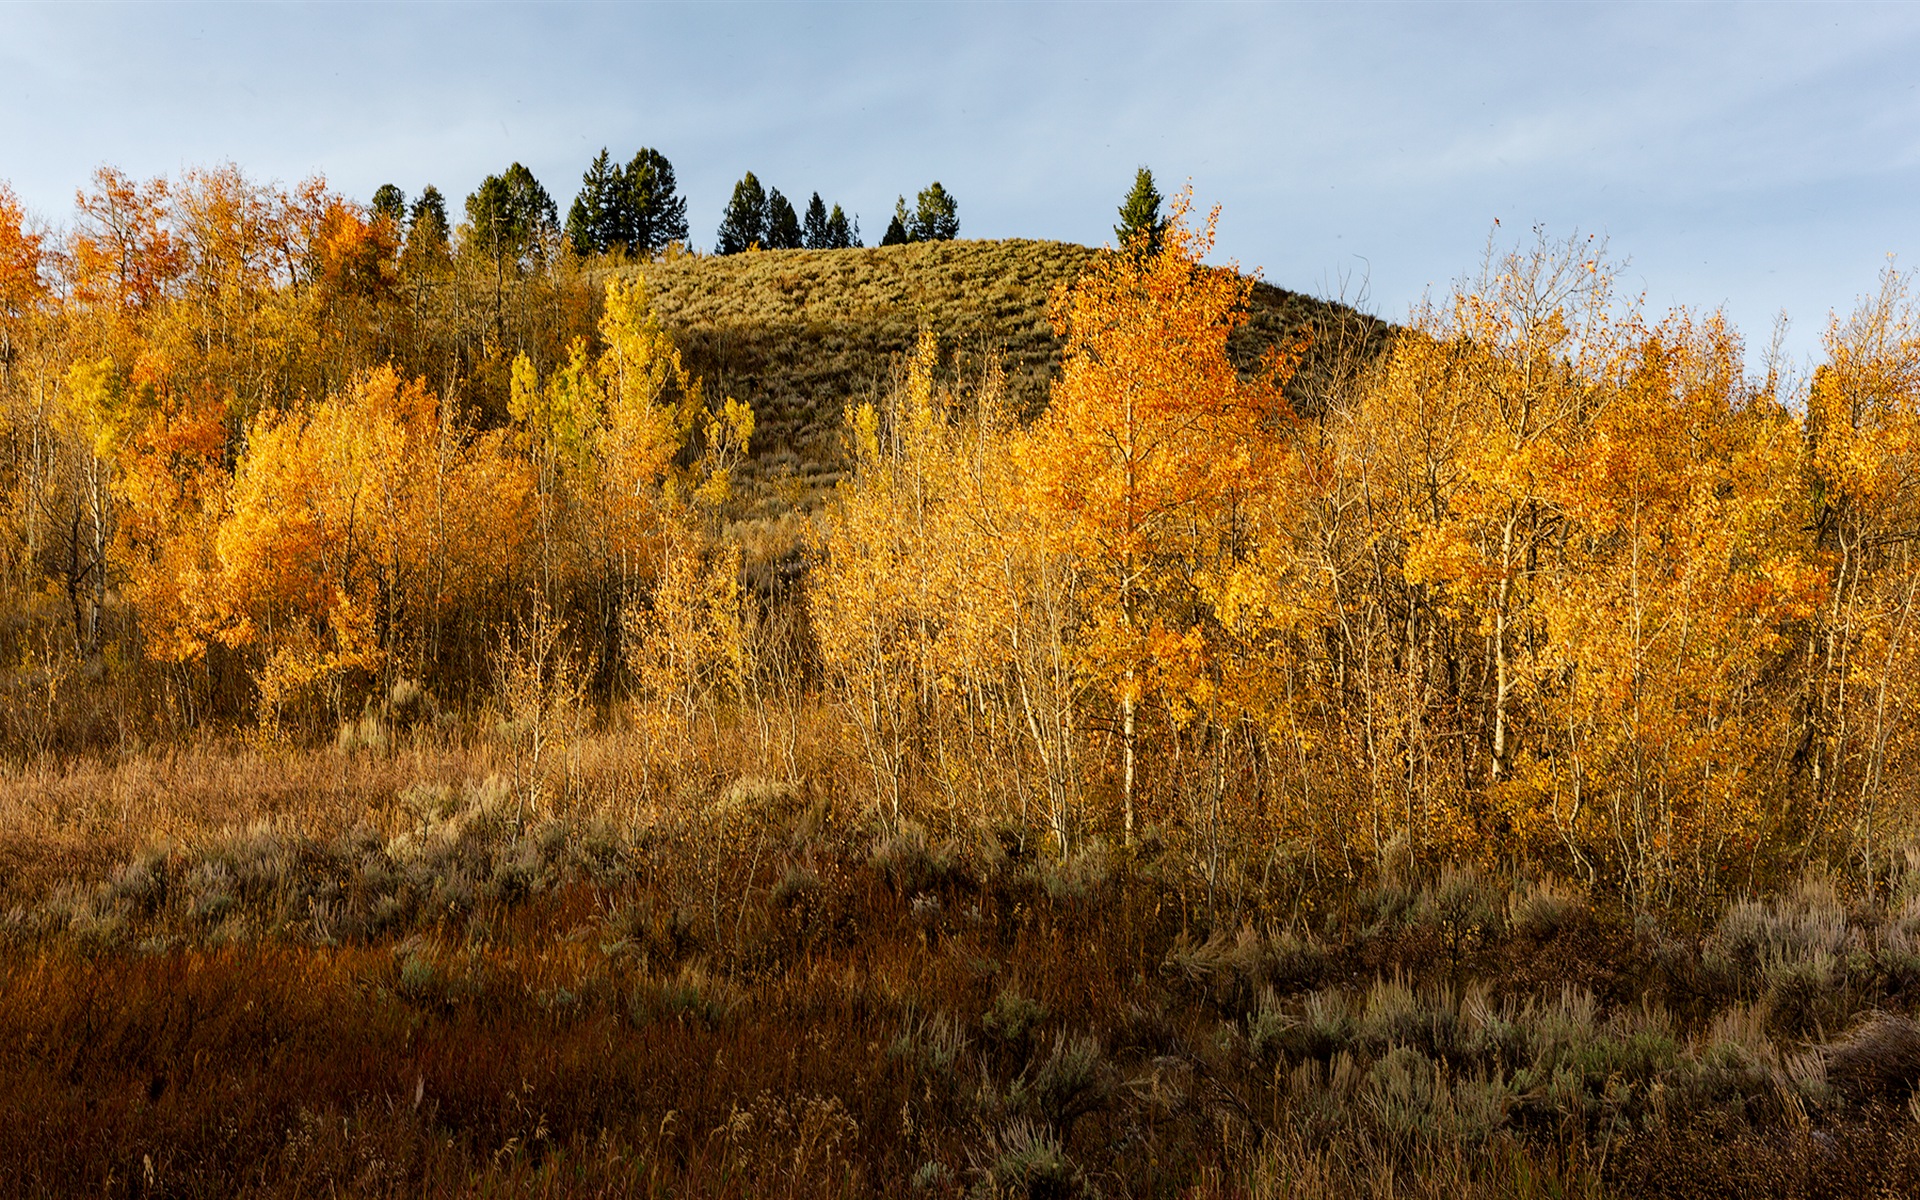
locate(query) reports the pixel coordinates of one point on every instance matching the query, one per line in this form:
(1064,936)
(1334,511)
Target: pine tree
(511,217)
(841,235)
(657,213)
(427,226)
(783,224)
(390,202)
(899,230)
(816,235)
(1140,219)
(935,218)
(745,222)
(594,222)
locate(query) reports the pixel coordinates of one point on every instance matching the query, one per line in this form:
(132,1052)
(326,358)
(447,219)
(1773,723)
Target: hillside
(798,333)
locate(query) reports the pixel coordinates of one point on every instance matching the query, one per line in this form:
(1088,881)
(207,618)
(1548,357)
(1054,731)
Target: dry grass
(681,961)
(383,973)
(801,333)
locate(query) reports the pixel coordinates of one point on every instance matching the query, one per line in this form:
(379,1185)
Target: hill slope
(799,333)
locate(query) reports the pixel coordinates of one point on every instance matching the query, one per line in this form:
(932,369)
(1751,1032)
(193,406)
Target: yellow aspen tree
(910,597)
(1863,435)
(1675,581)
(602,436)
(1149,440)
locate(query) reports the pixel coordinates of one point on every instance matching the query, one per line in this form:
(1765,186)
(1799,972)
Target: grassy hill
(799,333)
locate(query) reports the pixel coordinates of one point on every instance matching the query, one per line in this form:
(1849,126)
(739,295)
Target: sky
(1761,158)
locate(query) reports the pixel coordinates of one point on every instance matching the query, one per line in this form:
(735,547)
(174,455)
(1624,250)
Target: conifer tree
(1140,219)
(634,208)
(783,224)
(390,202)
(815,234)
(840,234)
(656,213)
(595,221)
(935,218)
(427,233)
(511,217)
(745,222)
(428,217)
(899,230)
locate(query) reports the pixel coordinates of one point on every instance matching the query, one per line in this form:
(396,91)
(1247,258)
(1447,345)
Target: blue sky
(1760,157)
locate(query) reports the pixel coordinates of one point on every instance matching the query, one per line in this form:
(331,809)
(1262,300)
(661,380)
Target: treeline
(1552,580)
(636,210)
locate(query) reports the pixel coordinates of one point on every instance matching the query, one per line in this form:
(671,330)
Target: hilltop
(800,333)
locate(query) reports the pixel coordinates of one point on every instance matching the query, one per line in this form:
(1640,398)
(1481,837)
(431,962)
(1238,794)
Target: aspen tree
(1149,442)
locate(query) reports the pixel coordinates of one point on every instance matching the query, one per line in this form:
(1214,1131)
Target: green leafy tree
(1140,221)
(935,216)
(390,202)
(745,222)
(783,224)
(900,229)
(815,234)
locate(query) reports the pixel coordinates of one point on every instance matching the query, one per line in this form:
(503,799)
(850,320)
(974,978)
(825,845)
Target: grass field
(236,970)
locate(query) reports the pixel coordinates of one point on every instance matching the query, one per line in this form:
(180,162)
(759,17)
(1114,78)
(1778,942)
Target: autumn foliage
(1551,579)
(1475,758)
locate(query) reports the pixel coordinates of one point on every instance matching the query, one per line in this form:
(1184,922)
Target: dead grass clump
(794,1145)
(1808,925)
(911,863)
(1078,875)
(690,994)
(1232,971)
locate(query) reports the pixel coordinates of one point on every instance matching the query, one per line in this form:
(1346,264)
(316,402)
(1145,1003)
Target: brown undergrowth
(386,974)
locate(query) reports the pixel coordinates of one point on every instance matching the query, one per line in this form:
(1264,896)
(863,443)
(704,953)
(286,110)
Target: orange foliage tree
(355,529)
(1151,449)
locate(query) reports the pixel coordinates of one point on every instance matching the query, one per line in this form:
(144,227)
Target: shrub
(1012,1018)
(1877,1061)
(1542,908)
(1069,1082)
(933,1048)
(1025,1159)
(1400,1091)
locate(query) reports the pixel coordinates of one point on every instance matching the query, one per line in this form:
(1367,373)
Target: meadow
(371,972)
